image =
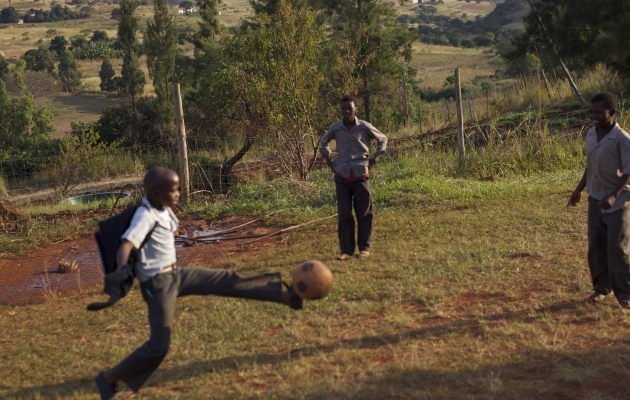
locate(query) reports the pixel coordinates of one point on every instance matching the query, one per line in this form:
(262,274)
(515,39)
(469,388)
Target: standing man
(352,176)
(607,181)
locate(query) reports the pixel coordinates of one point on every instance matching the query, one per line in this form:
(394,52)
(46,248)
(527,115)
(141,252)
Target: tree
(272,85)
(378,42)
(40,59)
(99,36)
(186,4)
(58,44)
(132,80)
(160,42)
(69,73)
(270,6)
(25,129)
(585,32)
(107,73)
(4,66)
(18,75)
(83,157)
(9,15)
(115,14)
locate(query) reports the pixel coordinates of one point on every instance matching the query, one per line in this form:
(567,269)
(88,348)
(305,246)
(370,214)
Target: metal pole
(402,67)
(184,173)
(574,87)
(460,115)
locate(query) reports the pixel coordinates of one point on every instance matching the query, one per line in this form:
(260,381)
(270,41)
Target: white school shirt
(159,251)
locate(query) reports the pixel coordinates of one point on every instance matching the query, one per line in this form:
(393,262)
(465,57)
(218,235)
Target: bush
(82,158)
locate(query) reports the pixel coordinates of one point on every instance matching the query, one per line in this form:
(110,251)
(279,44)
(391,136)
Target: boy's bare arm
(124,251)
(576,196)
(607,202)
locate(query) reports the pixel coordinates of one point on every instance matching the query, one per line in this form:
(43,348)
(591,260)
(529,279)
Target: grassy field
(435,63)
(454,8)
(475,291)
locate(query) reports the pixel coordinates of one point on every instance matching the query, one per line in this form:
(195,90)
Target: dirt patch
(35,277)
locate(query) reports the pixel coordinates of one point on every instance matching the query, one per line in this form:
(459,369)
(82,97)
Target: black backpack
(108,238)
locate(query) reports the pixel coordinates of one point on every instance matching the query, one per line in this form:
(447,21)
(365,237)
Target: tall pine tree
(160,42)
(69,72)
(132,80)
(377,42)
(107,73)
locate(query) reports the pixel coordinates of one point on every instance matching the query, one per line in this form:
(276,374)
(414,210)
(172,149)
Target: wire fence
(28,179)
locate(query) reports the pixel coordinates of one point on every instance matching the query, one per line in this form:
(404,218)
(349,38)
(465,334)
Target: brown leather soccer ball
(312,280)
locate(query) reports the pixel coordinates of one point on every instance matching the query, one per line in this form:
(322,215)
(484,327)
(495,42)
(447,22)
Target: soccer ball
(312,280)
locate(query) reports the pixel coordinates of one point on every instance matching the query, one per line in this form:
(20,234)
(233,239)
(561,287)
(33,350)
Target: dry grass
(454,8)
(478,300)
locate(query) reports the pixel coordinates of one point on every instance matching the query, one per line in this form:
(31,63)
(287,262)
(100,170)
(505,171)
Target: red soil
(34,277)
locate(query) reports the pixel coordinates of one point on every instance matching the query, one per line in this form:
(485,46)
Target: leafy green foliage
(40,59)
(25,129)
(4,66)
(160,43)
(9,15)
(273,83)
(18,75)
(56,13)
(377,43)
(82,158)
(58,44)
(132,80)
(99,36)
(97,50)
(69,72)
(586,33)
(107,73)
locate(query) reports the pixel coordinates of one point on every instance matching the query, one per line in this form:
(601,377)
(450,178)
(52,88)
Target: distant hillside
(459,29)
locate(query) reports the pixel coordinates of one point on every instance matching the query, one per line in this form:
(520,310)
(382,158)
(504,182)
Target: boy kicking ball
(352,176)
(162,282)
(606,180)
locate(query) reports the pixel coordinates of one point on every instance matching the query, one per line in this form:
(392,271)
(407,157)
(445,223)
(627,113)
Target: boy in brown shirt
(606,180)
(351,167)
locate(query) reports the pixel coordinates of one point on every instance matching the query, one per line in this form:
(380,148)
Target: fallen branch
(207,241)
(217,233)
(289,229)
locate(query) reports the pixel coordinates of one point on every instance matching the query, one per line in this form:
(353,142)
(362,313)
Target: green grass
(474,290)
(474,294)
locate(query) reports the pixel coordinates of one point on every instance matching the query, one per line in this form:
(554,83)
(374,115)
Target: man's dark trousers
(355,194)
(609,250)
(160,293)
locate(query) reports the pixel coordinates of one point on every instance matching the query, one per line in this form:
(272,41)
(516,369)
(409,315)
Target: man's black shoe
(297,303)
(107,390)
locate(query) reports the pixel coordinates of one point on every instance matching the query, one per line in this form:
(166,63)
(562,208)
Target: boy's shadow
(227,364)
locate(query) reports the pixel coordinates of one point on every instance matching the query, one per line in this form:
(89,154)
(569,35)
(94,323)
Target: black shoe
(297,303)
(107,390)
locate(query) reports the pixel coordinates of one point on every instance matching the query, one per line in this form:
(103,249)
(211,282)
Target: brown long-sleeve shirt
(353,146)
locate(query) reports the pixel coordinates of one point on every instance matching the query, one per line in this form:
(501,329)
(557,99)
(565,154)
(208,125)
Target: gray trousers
(355,195)
(609,250)
(160,294)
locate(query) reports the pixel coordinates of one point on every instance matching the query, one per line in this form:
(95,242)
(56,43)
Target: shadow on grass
(472,325)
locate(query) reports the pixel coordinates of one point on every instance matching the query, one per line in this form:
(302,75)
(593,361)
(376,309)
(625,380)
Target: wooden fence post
(184,173)
(460,115)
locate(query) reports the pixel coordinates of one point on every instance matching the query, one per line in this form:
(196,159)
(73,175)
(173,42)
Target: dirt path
(34,277)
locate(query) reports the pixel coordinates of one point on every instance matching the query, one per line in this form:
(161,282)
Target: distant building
(191,10)
(179,12)
(20,21)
